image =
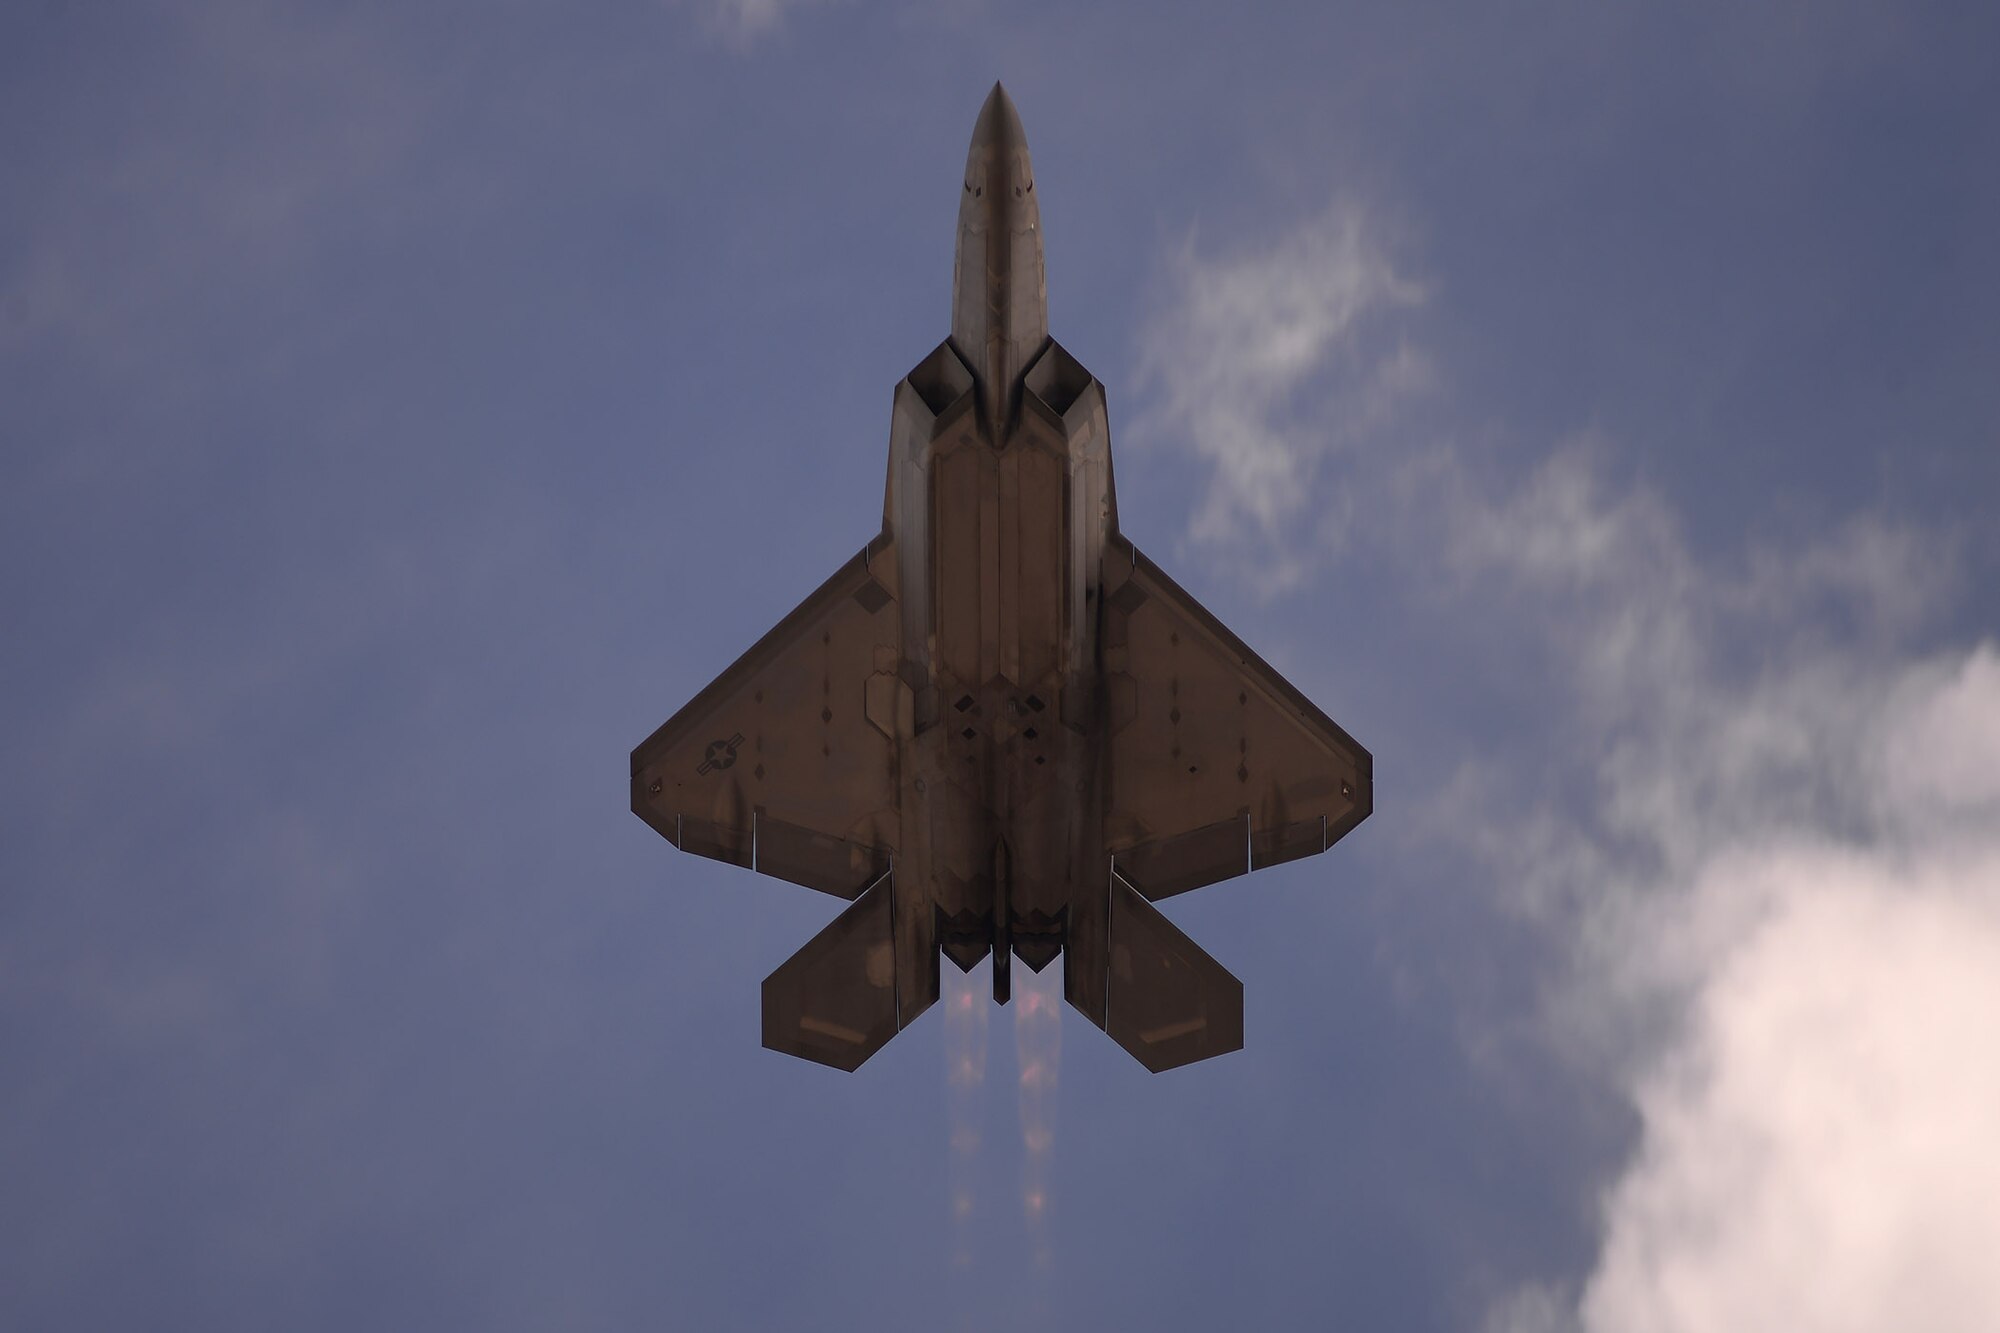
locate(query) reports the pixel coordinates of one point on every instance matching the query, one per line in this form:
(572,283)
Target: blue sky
(406,409)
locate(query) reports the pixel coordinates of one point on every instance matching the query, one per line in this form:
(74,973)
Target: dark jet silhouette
(1000,728)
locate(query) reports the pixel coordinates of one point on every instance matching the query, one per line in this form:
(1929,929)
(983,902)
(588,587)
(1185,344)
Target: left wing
(1218,766)
(786,764)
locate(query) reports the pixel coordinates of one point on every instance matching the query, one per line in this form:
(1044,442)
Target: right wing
(786,764)
(1166,1001)
(1218,765)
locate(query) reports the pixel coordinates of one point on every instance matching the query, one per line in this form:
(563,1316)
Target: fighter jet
(1000,729)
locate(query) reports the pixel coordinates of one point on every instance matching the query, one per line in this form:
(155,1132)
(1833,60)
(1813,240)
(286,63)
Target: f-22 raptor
(1000,729)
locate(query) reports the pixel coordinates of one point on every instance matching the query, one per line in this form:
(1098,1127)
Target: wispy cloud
(1262,362)
(743,22)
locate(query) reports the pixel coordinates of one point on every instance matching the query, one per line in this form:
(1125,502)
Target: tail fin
(1165,1000)
(834,1001)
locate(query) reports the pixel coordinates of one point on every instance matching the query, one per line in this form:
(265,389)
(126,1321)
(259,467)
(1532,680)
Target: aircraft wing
(1217,765)
(786,764)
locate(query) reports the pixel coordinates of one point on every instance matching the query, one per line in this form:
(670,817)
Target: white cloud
(1941,743)
(1786,901)
(1262,363)
(1818,1150)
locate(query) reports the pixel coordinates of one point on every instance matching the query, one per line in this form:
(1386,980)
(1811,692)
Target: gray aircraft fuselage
(1000,730)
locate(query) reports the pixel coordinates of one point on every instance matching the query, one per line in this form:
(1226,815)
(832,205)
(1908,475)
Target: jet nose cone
(999,125)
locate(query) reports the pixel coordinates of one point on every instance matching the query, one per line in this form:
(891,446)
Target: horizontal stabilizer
(834,1001)
(1166,1001)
